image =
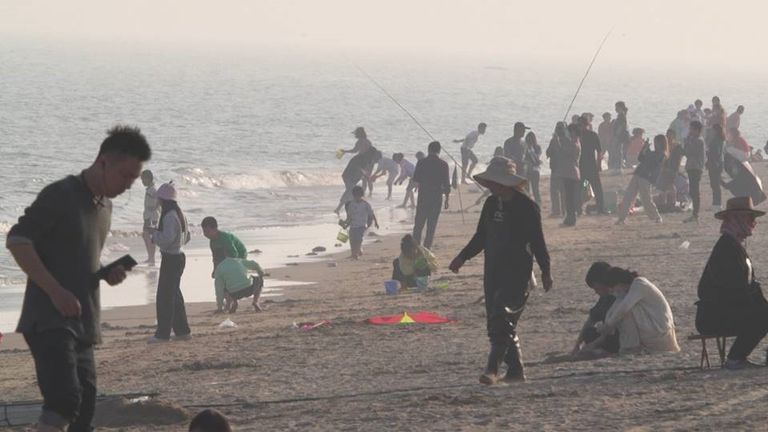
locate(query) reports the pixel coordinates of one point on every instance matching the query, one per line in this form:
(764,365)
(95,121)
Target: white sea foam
(259,179)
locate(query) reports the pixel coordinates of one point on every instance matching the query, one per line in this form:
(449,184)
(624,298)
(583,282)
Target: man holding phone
(58,243)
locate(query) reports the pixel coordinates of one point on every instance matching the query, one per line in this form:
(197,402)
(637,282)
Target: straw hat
(739,204)
(501,171)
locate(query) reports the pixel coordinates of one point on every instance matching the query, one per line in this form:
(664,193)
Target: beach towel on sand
(409,318)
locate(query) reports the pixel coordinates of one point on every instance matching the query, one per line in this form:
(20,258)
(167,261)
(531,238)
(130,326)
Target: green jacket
(232,276)
(227,245)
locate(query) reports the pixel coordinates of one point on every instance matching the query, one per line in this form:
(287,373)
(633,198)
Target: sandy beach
(265,374)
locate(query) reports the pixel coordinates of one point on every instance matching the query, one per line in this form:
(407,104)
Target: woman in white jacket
(171,235)
(640,313)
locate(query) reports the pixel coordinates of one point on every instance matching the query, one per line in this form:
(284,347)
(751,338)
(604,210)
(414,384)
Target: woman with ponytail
(171,235)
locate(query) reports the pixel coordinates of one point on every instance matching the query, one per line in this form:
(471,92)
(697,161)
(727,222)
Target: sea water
(250,137)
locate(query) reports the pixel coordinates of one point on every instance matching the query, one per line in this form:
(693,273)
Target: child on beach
(360,217)
(151,214)
(234,283)
(406,172)
(414,261)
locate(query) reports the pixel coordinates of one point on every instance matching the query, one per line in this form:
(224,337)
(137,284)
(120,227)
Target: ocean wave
(259,179)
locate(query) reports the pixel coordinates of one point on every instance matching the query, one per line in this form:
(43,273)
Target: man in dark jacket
(514,148)
(58,244)
(589,161)
(510,233)
(433,179)
(730,300)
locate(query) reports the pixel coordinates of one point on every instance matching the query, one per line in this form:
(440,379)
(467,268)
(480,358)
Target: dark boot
(514,361)
(495,357)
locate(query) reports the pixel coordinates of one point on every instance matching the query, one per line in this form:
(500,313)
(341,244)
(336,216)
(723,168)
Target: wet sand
(267,375)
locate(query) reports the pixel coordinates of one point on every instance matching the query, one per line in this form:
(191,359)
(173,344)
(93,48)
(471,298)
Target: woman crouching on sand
(509,231)
(640,313)
(170,237)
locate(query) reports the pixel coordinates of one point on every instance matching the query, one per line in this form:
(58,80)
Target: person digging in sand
(234,283)
(510,233)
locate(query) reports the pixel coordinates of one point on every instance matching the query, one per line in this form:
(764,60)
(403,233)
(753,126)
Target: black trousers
(715,177)
(694,180)
(171,313)
(428,210)
(749,322)
(572,188)
(503,308)
(533,184)
(593,176)
(66,375)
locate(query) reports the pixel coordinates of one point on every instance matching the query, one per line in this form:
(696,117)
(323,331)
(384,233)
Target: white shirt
(471,139)
(358,213)
(643,318)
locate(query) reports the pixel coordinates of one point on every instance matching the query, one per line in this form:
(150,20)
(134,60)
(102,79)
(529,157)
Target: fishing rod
(418,123)
(600,48)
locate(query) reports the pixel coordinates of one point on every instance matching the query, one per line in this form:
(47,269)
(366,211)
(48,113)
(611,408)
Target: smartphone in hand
(126,261)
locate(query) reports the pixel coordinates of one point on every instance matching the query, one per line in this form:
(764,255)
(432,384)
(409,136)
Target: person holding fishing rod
(433,180)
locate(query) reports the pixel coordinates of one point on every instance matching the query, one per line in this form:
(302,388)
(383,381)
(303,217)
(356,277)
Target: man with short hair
(467,155)
(734,120)
(619,137)
(514,148)
(223,244)
(432,178)
(589,162)
(58,243)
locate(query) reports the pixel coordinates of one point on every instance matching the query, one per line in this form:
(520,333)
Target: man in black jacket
(589,161)
(510,233)
(433,179)
(730,300)
(58,244)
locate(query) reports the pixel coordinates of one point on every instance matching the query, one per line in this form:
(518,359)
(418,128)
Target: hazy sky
(673,33)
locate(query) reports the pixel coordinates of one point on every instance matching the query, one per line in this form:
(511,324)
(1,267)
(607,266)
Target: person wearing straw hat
(509,232)
(731,301)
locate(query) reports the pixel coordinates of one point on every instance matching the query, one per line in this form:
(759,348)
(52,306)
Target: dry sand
(267,375)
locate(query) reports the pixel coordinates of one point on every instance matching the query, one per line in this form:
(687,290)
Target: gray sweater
(171,239)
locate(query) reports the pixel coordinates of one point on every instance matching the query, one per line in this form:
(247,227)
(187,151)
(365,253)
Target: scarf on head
(736,227)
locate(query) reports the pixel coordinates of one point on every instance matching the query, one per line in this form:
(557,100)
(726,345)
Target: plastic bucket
(392,287)
(422,282)
(342,236)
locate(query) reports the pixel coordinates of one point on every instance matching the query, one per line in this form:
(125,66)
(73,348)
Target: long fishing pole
(415,120)
(600,48)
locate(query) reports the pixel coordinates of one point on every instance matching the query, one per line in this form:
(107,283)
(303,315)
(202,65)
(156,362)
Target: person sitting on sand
(731,301)
(234,283)
(510,233)
(640,313)
(210,420)
(360,217)
(589,344)
(414,261)
(223,244)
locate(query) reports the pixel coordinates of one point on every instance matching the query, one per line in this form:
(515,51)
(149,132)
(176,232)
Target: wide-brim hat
(501,171)
(739,205)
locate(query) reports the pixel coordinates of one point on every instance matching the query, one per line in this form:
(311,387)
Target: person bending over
(234,283)
(640,313)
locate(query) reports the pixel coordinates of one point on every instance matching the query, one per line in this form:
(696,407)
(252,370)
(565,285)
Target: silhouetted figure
(432,177)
